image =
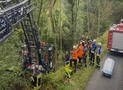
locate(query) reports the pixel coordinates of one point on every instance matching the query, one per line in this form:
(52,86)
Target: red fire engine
(115,38)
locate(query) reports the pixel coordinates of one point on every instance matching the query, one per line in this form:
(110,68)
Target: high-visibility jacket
(98,51)
(74,55)
(36,80)
(93,48)
(80,51)
(68,71)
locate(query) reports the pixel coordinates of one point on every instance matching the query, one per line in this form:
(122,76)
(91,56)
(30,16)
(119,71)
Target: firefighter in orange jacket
(80,52)
(74,57)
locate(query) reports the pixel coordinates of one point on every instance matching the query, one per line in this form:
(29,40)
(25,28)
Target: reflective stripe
(38,77)
(98,51)
(68,71)
(32,78)
(98,54)
(92,51)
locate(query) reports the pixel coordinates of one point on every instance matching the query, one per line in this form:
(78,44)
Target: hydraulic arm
(22,13)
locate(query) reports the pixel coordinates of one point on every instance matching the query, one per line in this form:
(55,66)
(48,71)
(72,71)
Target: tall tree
(99,15)
(51,5)
(61,30)
(88,17)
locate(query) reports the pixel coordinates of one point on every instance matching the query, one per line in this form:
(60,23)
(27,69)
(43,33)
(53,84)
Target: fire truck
(115,38)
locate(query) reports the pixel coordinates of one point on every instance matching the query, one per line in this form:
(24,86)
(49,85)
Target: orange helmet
(44,44)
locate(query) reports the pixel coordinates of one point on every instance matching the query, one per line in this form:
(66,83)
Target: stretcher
(108,67)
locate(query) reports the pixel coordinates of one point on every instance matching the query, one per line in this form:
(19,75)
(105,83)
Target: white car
(108,67)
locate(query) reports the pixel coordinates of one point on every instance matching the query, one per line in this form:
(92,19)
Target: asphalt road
(99,82)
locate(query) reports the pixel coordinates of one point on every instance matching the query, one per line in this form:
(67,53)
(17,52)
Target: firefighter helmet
(94,40)
(74,47)
(99,44)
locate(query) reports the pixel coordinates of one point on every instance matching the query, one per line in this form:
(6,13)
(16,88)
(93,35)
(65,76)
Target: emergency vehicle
(115,38)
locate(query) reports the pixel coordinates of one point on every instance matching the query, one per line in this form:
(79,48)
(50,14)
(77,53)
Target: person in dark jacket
(67,57)
(98,54)
(85,55)
(89,47)
(93,51)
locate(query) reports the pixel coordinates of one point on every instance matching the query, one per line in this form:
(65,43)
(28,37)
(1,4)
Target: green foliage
(72,18)
(79,80)
(10,62)
(117,11)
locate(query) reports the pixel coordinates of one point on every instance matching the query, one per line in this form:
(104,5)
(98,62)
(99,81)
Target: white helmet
(74,47)
(99,44)
(80,42)
(77,45)
(94,40)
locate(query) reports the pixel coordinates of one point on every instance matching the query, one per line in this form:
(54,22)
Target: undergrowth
(13,78)
(79,80)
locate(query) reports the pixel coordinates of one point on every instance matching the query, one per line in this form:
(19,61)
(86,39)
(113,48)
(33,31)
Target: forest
(61,23)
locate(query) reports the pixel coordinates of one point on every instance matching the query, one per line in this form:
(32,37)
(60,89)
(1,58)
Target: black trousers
(84,59)
(92,58)
(98,60)
(71,60)
(89,52)
(75,64)
(79,59)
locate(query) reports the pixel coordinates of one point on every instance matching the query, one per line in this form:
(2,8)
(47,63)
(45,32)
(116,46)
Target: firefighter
(71,60)
(26,59)
(67,56)
(36,83)
(98,54)
(36,78)
(74,57)
(93,49)
(80,52)
(85,55)
(23,49)
(68,71)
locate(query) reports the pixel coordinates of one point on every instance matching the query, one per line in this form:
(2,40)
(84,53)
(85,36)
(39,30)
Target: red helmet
(44,44)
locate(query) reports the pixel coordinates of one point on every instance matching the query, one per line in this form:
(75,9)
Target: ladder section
(31,40)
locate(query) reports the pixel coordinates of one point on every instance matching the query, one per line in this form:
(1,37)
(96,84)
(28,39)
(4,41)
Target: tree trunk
(98,30)
(72,28)
(77,4)
(88,19)
(41,3)
(60,33)
(55,37)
